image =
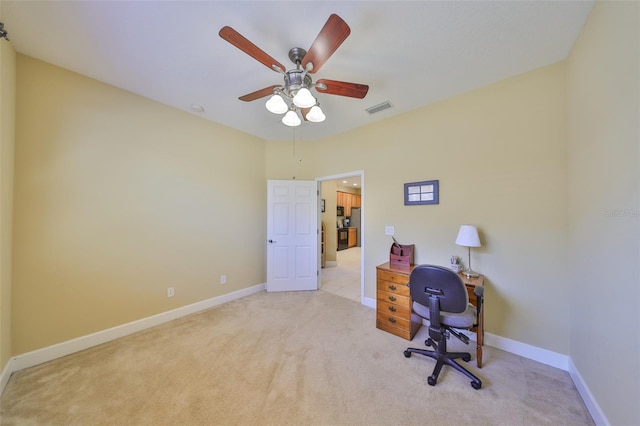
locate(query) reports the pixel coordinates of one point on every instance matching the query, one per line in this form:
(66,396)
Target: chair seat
(464,319)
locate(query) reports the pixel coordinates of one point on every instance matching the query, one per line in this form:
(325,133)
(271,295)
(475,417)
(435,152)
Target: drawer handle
(393,299)
(392,288)
(392,308)
(393,320)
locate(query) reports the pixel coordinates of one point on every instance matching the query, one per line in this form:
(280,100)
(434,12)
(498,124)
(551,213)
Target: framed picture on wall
(419,193)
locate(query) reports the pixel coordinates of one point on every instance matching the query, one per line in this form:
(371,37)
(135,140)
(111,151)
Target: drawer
(472,297)
(401,328)
(394,309)
(393,287)
(394,298)
(405,333)
(393,320)
(394,277)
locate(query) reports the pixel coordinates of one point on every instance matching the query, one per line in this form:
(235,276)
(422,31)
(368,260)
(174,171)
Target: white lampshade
(304,98)
(291,119)
(277,105)
(468,236)
(316,115)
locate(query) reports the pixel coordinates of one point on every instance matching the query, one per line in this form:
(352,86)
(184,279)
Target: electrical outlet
(170,292)
(389,230)
(223,279)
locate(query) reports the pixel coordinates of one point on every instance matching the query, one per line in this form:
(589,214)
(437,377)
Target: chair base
(442,358)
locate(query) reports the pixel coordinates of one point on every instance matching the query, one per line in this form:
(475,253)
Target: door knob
(271,241)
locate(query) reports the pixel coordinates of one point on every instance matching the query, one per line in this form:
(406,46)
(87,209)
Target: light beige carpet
(308,358)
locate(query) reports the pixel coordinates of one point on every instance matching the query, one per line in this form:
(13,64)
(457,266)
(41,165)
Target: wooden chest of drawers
(394,313)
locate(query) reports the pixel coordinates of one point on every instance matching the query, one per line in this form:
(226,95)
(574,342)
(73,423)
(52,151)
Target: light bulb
(276,105)
(316,115)
(291,119)
(304,98)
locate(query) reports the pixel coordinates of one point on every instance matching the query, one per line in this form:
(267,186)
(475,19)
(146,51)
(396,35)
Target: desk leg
(480,338)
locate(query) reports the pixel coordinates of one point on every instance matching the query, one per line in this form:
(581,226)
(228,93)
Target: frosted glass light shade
(316,115)
(277,105)
(468,236)
(291,119)
(304,98)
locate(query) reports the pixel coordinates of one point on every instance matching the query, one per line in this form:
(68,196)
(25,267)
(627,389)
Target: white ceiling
(349,182)
(411,53)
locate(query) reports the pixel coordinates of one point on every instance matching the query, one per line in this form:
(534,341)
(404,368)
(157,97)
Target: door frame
(363,300)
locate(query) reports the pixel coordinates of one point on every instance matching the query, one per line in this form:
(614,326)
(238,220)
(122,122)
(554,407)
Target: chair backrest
(454,296)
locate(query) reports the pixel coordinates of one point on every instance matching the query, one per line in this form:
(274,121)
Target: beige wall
(500,156)
(117,198)
(7,145)
(604,207)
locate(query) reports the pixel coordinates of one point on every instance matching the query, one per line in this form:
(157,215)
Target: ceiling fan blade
(258,93)
(342,88)
(239,41)
(334,32)
(304,112)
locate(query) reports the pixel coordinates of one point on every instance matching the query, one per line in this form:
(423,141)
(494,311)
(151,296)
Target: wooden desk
(471,284)
(394,305)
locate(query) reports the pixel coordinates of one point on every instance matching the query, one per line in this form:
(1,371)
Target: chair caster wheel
(428,342)
(431,380)
(476,385)
(407,354)
(466,358)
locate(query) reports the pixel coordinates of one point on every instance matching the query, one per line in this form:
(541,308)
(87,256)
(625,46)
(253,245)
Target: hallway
(344,279)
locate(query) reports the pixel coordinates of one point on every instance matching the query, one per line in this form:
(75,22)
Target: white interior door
(292,235)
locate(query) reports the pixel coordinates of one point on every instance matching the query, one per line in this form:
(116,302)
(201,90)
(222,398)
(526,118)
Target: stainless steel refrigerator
(355,221)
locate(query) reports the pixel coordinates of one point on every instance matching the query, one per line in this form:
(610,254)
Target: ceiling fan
(297,81)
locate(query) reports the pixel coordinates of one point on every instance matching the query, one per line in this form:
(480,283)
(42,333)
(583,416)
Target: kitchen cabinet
(348,200)
(340,198)
(353,237)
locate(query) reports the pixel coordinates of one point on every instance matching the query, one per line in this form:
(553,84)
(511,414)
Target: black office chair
(440,296)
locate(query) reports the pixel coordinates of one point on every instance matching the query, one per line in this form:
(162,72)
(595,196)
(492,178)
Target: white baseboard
(553,359)
(544,356)
(592,405)
(369,302)
(6,374)
(50,353)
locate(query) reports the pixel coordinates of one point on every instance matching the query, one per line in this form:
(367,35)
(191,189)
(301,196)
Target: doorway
(343,273)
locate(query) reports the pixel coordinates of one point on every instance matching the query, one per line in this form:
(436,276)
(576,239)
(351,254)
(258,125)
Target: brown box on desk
(401,256)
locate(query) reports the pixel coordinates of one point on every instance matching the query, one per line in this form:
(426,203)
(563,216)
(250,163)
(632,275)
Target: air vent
(379,107)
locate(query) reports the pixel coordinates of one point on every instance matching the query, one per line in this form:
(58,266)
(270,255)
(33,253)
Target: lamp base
(470,273)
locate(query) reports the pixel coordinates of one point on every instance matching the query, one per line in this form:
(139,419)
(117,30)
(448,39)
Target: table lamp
(468,237)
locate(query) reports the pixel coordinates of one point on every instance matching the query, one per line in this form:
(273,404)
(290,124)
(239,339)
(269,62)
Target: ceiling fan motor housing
(295,80)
